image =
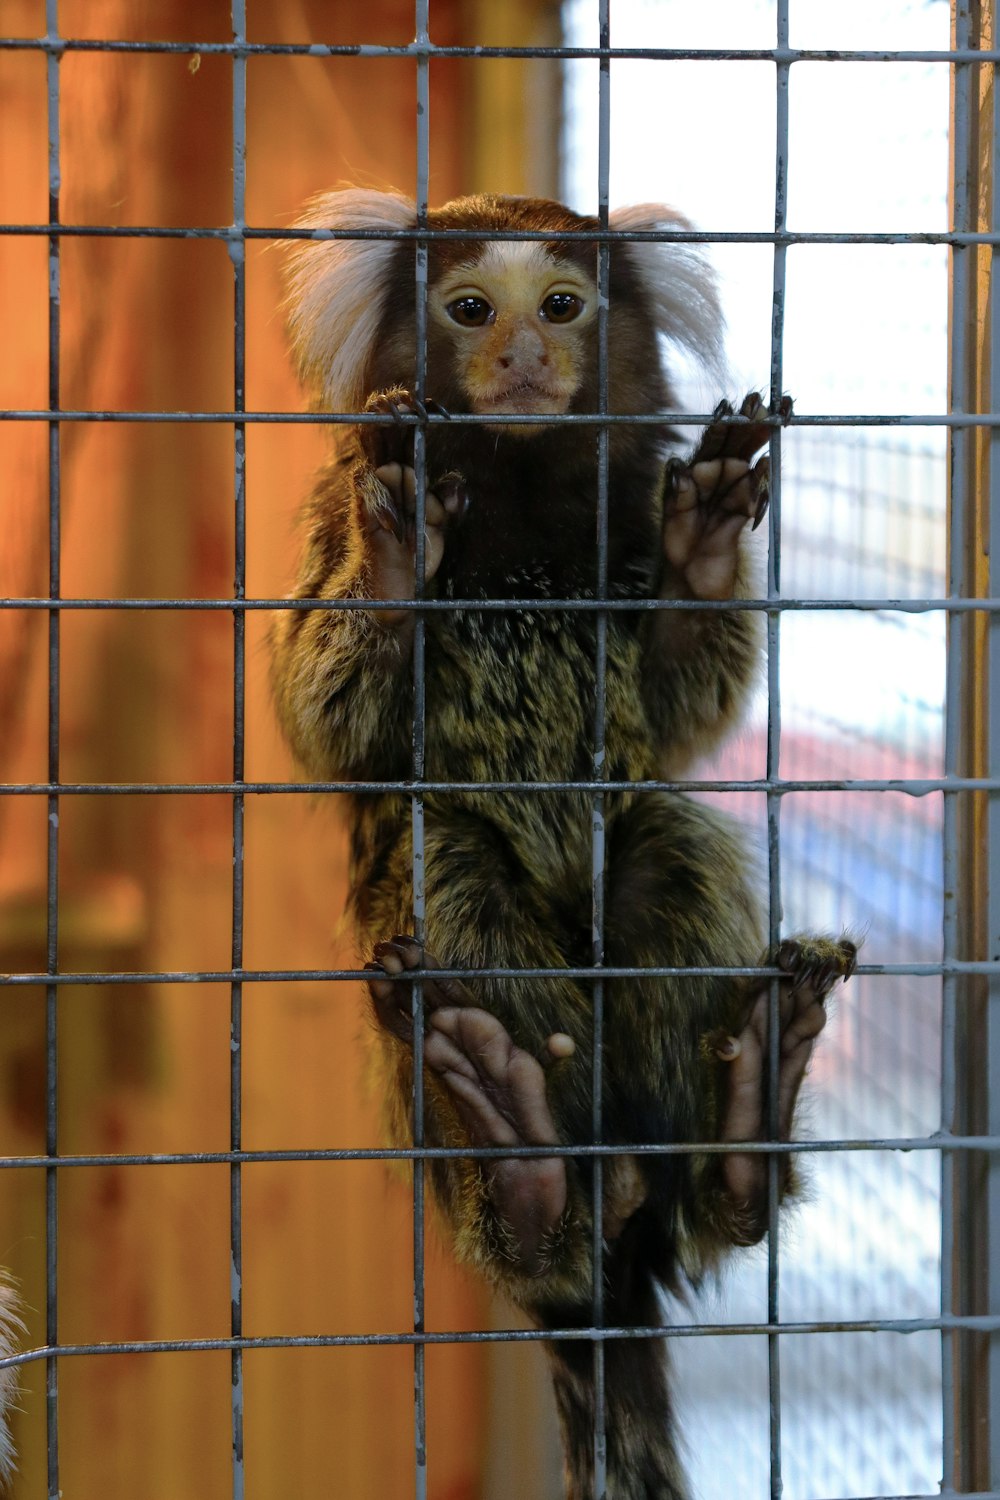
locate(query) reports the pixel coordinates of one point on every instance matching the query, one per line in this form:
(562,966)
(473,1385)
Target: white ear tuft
(337,291)
(678,281)
(11,1328)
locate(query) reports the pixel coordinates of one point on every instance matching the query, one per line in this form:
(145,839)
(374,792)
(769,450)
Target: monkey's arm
(341,677)
(699,666)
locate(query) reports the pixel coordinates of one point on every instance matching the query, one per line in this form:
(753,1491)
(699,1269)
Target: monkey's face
(516,327)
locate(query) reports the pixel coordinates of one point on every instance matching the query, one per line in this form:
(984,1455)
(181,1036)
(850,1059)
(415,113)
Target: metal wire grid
(961,422)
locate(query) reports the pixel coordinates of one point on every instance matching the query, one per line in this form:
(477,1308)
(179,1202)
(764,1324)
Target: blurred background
(145,881)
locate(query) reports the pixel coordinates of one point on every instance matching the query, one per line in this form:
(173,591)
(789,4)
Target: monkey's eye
(561,307)
(471,312)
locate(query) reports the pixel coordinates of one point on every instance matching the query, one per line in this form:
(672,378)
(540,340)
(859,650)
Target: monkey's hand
(387,486)
(813,966)
(708,501)
(499,1094)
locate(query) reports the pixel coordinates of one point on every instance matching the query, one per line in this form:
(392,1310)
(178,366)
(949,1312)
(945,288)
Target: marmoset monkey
(511,513)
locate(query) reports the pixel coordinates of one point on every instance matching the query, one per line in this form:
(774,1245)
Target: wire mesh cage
(831,1363)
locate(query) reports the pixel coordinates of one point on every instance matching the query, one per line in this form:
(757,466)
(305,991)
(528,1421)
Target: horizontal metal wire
(510,419)
(324,976)
(914,787)
(429,50)
(314,1154)
(914,606)
(973,1323)
(667,235)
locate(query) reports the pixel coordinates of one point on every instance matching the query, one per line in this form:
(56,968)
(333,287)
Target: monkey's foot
(497,1088)
(813,966)
(709,500)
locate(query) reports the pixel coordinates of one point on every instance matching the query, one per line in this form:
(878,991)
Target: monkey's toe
(816,963)
(392,967)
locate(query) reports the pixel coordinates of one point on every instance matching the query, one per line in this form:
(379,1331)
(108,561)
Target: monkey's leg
(814,965)
(497,1088)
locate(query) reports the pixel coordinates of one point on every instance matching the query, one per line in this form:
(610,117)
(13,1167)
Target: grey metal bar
(962,269)
(52,851)
(905,1144)
(774,752)
(917,787)
(992,690)
(901,1326)
(610,971)
(672,235)
(598,830)
(423,48)
(511,419)
(916,605)
(422,44)
(237,253)
(582,419)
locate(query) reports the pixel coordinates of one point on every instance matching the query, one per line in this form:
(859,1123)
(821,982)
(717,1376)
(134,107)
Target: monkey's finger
(724,489)
(714,438)
(388,512)
(805,1026)
(760,479)
(453,495)
(793,1069)
(391,1002)
(402,480)
(737,435)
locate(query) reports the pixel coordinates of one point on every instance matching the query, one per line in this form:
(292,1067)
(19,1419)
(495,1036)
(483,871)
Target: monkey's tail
(642,1461)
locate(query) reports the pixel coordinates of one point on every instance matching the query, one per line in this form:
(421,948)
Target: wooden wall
(145,881)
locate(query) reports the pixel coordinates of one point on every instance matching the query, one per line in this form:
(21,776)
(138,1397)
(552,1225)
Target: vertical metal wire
(600,769)
(237,251)
(52,852)
(421,8)
(961,443)
(992,689)
(774,744)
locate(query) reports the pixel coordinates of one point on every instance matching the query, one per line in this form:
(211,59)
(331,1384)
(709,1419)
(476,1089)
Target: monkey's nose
(525,348)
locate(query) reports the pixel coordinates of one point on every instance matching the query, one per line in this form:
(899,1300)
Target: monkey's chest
(512,698)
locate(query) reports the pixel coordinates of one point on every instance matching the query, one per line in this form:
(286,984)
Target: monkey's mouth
(524,398)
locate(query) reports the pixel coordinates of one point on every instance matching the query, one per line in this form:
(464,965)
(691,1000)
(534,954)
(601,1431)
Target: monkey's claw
(733,434)
(817,963)
(387,444)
